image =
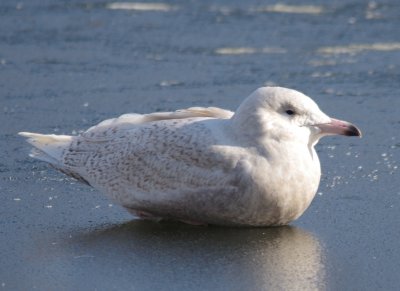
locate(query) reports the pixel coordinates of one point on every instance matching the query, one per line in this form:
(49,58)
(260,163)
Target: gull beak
(341,127)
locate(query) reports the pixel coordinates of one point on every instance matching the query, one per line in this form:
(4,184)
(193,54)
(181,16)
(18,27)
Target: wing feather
(150,161)
(110,127)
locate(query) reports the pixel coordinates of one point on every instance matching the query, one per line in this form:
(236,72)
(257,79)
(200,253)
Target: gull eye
(289,112)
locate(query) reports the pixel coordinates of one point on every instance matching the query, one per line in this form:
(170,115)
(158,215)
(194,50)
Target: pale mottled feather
(256,166)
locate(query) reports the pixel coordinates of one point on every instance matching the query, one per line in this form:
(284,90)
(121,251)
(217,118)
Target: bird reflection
(174,254)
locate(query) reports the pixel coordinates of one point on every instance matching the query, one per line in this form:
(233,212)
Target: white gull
(255,167)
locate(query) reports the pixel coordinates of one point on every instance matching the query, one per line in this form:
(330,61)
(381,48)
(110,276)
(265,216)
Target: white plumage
(256,166)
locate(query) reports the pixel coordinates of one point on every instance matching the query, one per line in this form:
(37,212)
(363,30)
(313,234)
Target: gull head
(286,114)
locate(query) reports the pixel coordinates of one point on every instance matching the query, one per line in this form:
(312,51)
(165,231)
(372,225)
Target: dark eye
(289,112)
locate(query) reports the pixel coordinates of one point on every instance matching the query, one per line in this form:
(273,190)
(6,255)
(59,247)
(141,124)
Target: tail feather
(47,147)
(50,148)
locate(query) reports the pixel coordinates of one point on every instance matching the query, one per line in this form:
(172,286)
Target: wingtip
(25,134)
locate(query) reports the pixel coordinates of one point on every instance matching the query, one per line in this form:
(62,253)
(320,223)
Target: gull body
(253,167)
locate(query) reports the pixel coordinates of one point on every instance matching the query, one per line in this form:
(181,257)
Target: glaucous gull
(253,167)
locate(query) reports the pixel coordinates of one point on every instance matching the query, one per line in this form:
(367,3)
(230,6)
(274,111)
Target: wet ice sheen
(115,59)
